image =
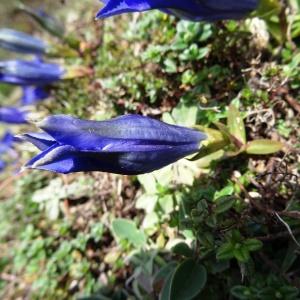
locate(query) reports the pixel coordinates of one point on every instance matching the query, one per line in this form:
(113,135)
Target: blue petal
(32,95)
(130,144)
(2,165)
(191,9)
(29,72)
(126,133)
(231,5)
(66,159)
(55,159)
(12,115)
(116,7)
(6,142)
(41,140)
(21,42)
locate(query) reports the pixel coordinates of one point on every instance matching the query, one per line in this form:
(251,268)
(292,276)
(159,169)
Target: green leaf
(263,147)
(170,65)
(241,253)
(252,244)
(206,239)
(185,115)
(215,141)
(203,52)
(94,297)
(228,190)
(241,292)
(148,182)
(164,275)
(166,203)
(188,280)
(150,222)
(290,257)
(225,251)
(267,8)
(183,249)
(147,202)
(127,230)
(97,231)
(276,31)
(206,161)
(289,292)
(166,290)
(236,236)
(225,131)
(224,204)
(235,124)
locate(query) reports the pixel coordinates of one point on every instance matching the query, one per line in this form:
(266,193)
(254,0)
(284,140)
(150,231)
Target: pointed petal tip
(23,169)
(98,16)
(19,138)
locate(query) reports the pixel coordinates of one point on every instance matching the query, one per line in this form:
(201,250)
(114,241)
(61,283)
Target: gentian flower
(129,144)
(5,146)
(6,142)
(2,165)
(12,115)
(35,72)
(33,94)
(21,42)
(194,10)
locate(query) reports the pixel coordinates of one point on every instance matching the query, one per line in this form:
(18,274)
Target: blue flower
(2,165)
(129,144)
(12,115)
(6,142)
(194,10)
(33,94)
(21,42)
(35,72)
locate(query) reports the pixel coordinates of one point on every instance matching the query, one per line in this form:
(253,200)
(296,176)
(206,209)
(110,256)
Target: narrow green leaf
(235,124)
(228,190)
(289,292)
(215,141)
(267,9)
(290,257)
(241,292)
(241,253)
(225,251)
(224,204)
(234,141)
(263,147)
(205,161)
(252,244)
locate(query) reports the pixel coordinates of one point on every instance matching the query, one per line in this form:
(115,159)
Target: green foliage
(187,281)
(223,224)
(127,230)
(231,140)
(238,248)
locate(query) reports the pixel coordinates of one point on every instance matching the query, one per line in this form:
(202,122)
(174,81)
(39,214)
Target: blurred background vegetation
(204,229)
